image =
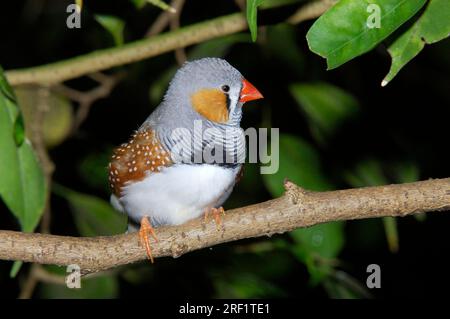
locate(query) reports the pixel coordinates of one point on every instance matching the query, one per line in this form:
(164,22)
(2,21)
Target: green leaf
(317,244)
(93,216)
(22,183)
(432,26)
(91,288)
(139,4)
(347,30)
(326,106)
(300,163)
(252,17)
(113,25)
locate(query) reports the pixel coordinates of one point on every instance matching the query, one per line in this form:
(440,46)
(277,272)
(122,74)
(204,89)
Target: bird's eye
(225,88)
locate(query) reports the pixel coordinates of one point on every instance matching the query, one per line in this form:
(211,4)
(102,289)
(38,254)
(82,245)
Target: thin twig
(241,4)
(162,21)
(47,164)
(297,208)
(310,11)
(37,139)
(30,283)
(85,100)
(180,54)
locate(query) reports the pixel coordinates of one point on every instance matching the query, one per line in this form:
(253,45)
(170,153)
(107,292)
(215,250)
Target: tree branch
(297,208)
(135,51)
(57,72)
(311,10)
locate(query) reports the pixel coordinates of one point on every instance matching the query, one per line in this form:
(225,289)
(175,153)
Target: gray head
(208,89)
(211,92)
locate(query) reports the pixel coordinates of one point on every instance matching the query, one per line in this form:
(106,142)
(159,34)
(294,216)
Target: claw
(216,212)
(144,232)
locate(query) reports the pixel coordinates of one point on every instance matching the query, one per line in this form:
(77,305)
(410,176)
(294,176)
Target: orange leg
(144,232)
(216,212)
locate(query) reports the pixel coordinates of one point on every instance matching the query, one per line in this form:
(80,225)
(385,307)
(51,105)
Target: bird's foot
(144,232)
(216,213)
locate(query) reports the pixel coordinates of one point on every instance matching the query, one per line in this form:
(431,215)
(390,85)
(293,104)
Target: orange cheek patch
(212,104)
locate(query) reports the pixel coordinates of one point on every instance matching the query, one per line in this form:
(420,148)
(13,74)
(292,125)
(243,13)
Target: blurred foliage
(113,25)
(99,287)
(338,129)
(92,168)
(93,216)
(294,153)
(57,118)
(325,106)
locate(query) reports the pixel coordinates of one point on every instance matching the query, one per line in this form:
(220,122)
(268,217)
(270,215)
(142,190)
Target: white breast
(177,193)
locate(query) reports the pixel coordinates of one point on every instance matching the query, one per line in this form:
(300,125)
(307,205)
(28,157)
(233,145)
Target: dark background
(405,122)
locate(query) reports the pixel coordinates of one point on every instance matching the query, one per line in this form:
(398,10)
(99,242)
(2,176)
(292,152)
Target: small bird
(162,176)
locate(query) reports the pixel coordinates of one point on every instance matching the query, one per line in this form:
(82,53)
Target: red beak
(249,92)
